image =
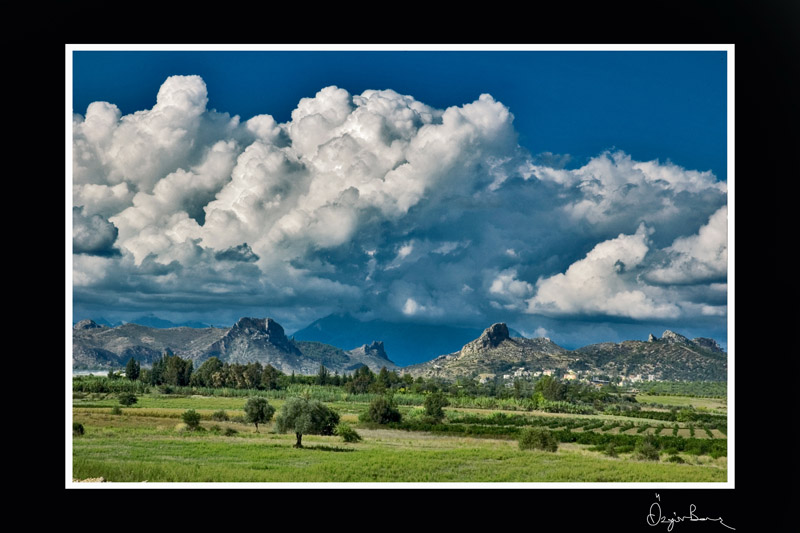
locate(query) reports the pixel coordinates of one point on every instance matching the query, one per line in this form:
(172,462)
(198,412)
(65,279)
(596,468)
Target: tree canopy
(257,411)
(305,417)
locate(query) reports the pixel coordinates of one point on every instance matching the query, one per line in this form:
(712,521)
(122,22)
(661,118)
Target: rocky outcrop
(372,355)
(491,337)
(87,324)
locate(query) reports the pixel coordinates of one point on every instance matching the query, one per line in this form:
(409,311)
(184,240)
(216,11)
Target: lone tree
(258,411)
(305,417)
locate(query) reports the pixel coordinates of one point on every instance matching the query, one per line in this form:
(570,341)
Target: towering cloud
(379,203)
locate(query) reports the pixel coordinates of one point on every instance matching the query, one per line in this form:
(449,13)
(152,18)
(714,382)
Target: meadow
(149,442)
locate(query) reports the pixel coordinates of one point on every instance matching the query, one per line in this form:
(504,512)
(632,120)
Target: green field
(148,442)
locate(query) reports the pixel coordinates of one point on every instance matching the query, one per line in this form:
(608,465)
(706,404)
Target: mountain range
(494,351)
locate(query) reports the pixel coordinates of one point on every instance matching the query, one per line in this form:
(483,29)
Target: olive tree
(257,411)
(305,417)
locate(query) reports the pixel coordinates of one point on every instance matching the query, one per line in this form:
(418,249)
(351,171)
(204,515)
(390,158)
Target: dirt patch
(90,480)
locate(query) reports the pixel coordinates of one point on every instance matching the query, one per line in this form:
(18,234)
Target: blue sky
(580,195)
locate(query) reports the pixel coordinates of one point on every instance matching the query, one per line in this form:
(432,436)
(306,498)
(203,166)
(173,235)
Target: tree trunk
(256,428)
(298,444)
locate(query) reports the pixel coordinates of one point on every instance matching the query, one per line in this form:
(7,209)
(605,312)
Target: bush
(230,432)
(116,410)
(434,404)
(127,398)
(191,418)
(220,416)
(347,433)
(537,438)
(610,450)
(382,410)
(77,429)
(675,459)
(646,450)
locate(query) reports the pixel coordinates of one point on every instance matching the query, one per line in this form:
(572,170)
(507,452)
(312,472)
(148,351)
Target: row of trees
(171,369)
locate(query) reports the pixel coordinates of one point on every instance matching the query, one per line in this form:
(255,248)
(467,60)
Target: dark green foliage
(675,459)
(132,369)
(610,450)
(434,406)
(537,438)
(220,416)
(127,399)
(257,411)
(191,418)
(347,433)
(116,410)
(363,377)
(171,369)
(323,376)
(229,432)
(77,429)
(551,388)
(306,417)
(382,410)
(646,449)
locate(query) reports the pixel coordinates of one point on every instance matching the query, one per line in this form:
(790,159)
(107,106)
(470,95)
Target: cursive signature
(654,516)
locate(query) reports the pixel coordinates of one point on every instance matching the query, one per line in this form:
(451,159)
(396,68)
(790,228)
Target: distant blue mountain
(405,343)
(152,321)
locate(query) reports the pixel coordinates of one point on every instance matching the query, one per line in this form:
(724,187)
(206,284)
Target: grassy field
(718,404)
(148,442)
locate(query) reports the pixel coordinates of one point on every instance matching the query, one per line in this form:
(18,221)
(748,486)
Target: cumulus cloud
(697,258)
(603,282)
(92,234)
(378,200)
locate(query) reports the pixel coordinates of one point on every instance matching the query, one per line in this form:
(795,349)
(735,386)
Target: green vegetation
(394,428)
(537,438)
(258,411)
(127,398)
(77,429)
(347,433)
(382,410)
(305,417)
(192,419)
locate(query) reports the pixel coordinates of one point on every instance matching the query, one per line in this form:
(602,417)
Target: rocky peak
(86,324)
(710,344)
(376,348)
(651,338)
(261,330)
(671,336)
(490,338)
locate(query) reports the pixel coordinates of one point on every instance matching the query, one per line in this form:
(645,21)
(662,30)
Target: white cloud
(379,198)
(697,258)
(603,283)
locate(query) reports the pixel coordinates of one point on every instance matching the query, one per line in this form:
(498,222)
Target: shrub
(347,433)
(191,418)
(77,429)
(230,432)
(116,410)
(382,410)
(675,459)
(434,404)
(646,450)
(537,438)
(127,398)
(610,449)
(220,416)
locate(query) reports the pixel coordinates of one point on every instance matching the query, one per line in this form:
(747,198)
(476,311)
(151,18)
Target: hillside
(249,340)
(673,357)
